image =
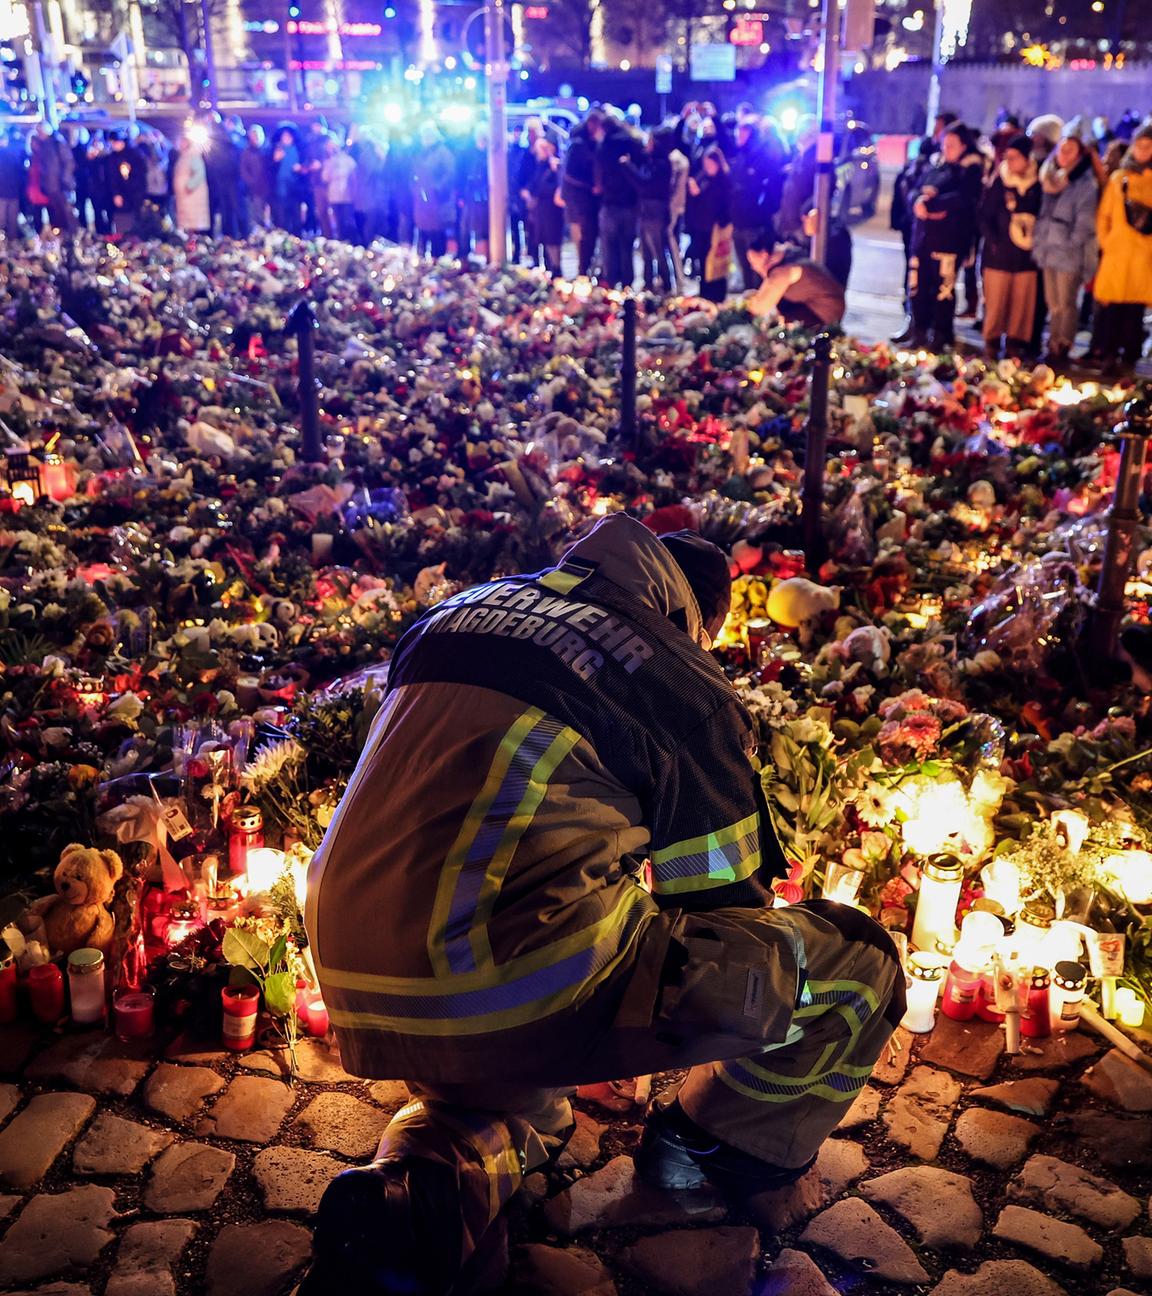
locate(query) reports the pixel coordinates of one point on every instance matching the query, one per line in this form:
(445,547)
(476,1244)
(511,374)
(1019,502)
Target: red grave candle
(241,1004)
(132,1013)
(46,991)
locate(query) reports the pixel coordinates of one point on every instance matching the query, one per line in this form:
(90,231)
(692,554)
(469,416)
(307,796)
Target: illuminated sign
(334,65)
(306,27)
(747,31)
(537,12)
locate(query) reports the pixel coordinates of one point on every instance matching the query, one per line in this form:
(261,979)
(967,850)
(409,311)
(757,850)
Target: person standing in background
(1123,286)
(157,166)
(473,191)
(652,177)
(127,183)
(1066,250)
(709,224)
(433,193)
(54,177)
(286,181)
(13,177)
(578,190)
(81,138)
(1008,213)
(546,213)
(190,189)
(256,177)
(99,183)
(750,176)
(618,147)
(338,174)
(221,160)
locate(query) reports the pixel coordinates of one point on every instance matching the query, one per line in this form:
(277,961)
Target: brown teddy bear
(76,916)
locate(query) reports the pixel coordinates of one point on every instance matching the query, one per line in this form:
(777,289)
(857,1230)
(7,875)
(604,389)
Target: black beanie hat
(1020,144)
(706,568)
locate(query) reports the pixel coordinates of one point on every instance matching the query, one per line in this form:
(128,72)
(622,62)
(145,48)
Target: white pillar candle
(265,868)
(936,903)
(1129,1007)
(924,981)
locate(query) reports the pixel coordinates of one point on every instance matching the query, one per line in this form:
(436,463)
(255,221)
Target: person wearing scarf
(1008,213)
(1124,281)
(1065,243)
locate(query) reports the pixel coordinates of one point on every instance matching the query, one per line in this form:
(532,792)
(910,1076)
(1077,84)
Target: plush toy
(798,600)
(77,915)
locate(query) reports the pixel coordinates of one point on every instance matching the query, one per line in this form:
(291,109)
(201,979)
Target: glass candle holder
(924,980)
(842,882)
(316,1015)
(241,1005)
(133,1014)
(86,986)
(1129,1008)
(46,992)
(936,902)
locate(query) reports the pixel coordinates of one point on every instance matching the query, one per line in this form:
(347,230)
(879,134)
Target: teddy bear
(77,915)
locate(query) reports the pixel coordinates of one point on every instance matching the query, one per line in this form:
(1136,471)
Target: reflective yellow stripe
(542,772)
(699,863)
(450,873)
(563,582)
(610,939)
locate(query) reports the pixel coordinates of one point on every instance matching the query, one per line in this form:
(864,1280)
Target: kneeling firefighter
(484,928)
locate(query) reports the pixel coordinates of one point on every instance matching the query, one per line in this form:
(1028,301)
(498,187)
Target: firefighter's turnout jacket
(477,904)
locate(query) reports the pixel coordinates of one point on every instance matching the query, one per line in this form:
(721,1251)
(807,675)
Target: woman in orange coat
(1123,287)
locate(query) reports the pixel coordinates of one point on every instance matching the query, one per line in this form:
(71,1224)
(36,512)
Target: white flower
(270,762)
(127,707)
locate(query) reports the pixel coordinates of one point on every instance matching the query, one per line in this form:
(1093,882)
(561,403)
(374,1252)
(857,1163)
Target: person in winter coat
(13,177)
(545,212)
(472,186)
(99,182)
(221,161)
(794,286)
(799,182)
(905,189)
(944,216)
(1065,245)
(155,151)
(128,182)
(1123,286)
(1008,212)
(578,190)
(51,168)
(256,176)
(652,177)
(286,181)
(190,189)
(618,148)
(569,724)
(433,193)
(338,174)
(752,173)
(708,221)
(370,191)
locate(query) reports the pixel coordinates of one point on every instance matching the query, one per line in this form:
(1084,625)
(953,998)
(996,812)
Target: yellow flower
(82,776)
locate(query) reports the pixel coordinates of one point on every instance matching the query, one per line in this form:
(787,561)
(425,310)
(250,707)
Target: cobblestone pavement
(957,1172)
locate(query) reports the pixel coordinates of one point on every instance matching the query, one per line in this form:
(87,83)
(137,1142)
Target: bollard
(1123,520)
(815,546)
(302,322)
(629,429)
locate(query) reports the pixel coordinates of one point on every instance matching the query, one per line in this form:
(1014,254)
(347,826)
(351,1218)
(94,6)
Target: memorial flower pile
(191,613)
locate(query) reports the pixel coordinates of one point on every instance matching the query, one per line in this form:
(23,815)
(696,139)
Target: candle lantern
(924,980)
(1001,880)
(23,476)
(265,869)
(183,921)
(86,986)
(132,1014)
(1129,1008)
(57,477)
(842,882)
(1131,873)
(936,902)
(1030,939)
(245,835)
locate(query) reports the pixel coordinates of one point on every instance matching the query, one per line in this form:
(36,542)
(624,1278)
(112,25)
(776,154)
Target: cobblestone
(968,1048)
(9,1100)
(795,1274)
(32,1141)
(392,1094)
(1033,1097)
(257,1259)
(179,1092)
(696,1262)
(1058,1053)
(998,1278)
(614,1197)
(93,1061)
(865,1108)
(1065,1243)
(1119,1142)
(188,1177)
(539,1270)
(995,1138)
(893,1063)
(584,1145)
(1120,1081)
(114,1146)
(55,1232)
(1138,1256)
(17,1043)
(1050,1182)
(148,1252)
(293,1180)
(917,1117)
(937,1205)
(338,1122)
(252,1110)
(852,1230)
(839,1163)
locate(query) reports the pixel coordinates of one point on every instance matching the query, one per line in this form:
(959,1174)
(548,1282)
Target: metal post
(825,145)
(46,60)
(629,428)
(302,322)
(497,133)
(209,52)
(812,516)
(1124,519)
(937,65)
(289,75)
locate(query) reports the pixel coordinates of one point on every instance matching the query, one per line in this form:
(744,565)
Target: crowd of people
(694,195)
(1048,228)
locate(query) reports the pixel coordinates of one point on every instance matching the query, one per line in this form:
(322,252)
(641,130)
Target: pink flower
(921,732)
